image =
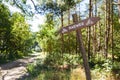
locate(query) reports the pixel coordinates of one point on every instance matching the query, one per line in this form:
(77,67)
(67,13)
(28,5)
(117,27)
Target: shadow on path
(15,69)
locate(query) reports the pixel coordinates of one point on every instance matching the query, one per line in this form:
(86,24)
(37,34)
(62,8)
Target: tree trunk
(99,36)
(62,34)
(112,41)
(106,29)
(94,31)
(89,29)
(69,33)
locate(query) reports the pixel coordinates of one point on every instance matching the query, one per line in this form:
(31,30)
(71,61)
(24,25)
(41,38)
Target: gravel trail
(16,69)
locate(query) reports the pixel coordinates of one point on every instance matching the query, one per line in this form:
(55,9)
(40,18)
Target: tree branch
(115,3)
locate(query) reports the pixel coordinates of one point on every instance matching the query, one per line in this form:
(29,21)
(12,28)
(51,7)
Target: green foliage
(24,1)
(5,29)
(52,59)
(116,70)
(15,36)
(116,36)
(64,59)
(102,68)
(57,7)
(116,67)
(47,38)
(45,72)
(21,33)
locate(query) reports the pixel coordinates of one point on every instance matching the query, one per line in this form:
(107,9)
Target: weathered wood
(83,52)
(79,25)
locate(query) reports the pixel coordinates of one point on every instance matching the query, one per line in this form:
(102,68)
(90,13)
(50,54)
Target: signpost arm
(82,49)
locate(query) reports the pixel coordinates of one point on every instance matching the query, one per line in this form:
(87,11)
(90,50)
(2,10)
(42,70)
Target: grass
(52,73)
(101,69)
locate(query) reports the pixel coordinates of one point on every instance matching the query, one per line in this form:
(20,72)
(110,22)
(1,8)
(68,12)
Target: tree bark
(99,38)
(89,29)
(112,30)
(69,33)
(62,47)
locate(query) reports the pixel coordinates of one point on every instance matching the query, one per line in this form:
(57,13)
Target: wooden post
(77,26)
(82,49)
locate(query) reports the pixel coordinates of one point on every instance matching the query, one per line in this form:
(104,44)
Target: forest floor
(17,69)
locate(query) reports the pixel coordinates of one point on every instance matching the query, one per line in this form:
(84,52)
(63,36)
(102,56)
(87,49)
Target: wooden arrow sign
(84,23)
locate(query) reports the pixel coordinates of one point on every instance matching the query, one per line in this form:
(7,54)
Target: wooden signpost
(77,26)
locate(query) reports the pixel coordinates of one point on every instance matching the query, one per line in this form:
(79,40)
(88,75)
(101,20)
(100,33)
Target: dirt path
(16,69)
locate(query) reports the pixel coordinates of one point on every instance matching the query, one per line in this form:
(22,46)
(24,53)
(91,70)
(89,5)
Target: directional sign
(84,23)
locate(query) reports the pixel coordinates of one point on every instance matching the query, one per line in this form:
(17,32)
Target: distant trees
(5,29)
(15,35)
(21,35)
(46,36)
(98,39)
(102,39)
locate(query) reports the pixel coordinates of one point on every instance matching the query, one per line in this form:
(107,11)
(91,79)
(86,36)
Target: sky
(37,18)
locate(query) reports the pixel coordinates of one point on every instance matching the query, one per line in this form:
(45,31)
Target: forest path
(16,69)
